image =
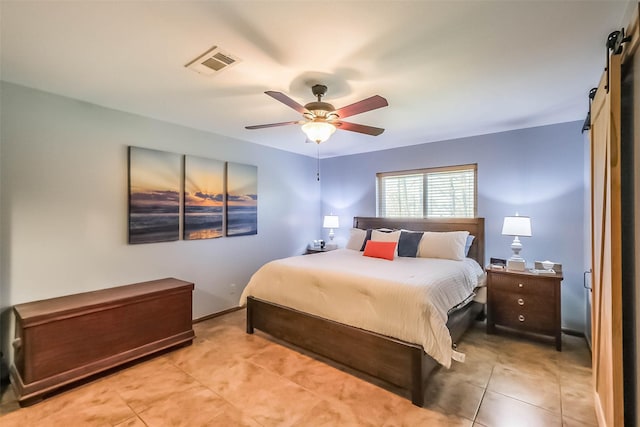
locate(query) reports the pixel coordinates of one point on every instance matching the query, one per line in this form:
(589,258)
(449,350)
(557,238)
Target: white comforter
(407,298)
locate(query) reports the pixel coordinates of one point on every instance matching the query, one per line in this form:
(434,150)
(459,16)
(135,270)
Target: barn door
(606,248)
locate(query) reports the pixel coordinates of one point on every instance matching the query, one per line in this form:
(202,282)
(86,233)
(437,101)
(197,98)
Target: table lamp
(516,226)
(331,222)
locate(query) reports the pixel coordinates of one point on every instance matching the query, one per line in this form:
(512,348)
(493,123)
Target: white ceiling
(448,69)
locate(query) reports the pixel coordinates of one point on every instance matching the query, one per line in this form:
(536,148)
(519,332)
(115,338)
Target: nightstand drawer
(521,285)
(530,312)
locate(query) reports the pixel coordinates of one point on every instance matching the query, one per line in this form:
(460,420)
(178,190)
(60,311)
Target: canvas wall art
(154,195)
(242,199)
(203,198)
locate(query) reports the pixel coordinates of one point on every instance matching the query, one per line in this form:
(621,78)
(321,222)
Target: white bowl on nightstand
(548,265)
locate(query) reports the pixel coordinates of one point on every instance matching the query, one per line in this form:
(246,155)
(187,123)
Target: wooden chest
(61,340)
(525,302)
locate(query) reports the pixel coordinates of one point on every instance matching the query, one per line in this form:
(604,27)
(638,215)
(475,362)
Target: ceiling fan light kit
(318,131)
(321,119)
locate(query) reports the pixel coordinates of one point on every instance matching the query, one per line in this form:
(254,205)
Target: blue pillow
(408,243)
(467,245)
(366,239)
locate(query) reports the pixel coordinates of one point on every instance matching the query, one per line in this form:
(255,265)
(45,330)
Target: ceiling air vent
(212,62)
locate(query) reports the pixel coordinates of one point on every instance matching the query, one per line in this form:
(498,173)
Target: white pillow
(356,239)
(447,245)
(384,236)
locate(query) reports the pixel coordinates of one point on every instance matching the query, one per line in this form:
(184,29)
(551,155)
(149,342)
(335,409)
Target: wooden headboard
(474,226)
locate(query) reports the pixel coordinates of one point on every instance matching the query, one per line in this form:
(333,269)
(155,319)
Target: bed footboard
(400,363)
(397,362)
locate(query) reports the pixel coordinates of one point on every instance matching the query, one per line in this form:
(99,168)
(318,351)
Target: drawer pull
(521,318)
(520,285)
(520,301)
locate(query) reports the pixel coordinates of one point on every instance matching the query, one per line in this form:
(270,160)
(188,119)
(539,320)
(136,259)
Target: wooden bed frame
(400,363)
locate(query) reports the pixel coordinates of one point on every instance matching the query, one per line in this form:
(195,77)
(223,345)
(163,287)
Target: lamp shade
(331,221)
(318,131)
(516,226)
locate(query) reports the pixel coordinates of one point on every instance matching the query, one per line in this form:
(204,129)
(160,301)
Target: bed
(401,362)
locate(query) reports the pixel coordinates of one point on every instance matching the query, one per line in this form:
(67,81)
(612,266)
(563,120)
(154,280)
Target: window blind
(435,192)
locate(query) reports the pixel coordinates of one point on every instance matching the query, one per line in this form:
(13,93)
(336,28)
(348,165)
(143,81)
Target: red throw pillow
(384,250)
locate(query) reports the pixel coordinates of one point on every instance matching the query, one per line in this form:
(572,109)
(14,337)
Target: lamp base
(516,264)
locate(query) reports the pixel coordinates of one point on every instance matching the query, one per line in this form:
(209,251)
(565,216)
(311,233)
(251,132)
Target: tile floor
(229,378)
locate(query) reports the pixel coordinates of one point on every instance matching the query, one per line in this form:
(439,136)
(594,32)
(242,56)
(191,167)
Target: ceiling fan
(321,118)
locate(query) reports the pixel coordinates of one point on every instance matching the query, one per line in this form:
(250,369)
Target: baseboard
(574,333)
(218,314)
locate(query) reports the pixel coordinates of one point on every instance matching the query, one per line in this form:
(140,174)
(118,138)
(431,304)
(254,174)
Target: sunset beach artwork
(154,195)
(203,198)
(242,199)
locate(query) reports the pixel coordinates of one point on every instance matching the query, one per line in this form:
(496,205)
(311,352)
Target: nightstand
(524,301)
(311,250)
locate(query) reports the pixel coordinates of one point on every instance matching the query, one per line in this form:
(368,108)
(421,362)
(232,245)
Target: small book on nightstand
(497,263)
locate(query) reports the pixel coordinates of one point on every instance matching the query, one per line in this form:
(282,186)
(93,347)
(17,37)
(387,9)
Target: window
(426,193)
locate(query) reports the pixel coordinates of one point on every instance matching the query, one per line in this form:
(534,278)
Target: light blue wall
(537,172)
(63,194)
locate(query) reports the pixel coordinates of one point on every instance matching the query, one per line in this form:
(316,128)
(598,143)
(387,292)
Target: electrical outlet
(232,290)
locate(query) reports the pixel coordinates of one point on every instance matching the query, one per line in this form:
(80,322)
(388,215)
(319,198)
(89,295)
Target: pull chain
(318,165)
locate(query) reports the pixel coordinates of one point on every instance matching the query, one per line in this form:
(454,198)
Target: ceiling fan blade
(372,103)
(354,127)
(272,125)
(279,96)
